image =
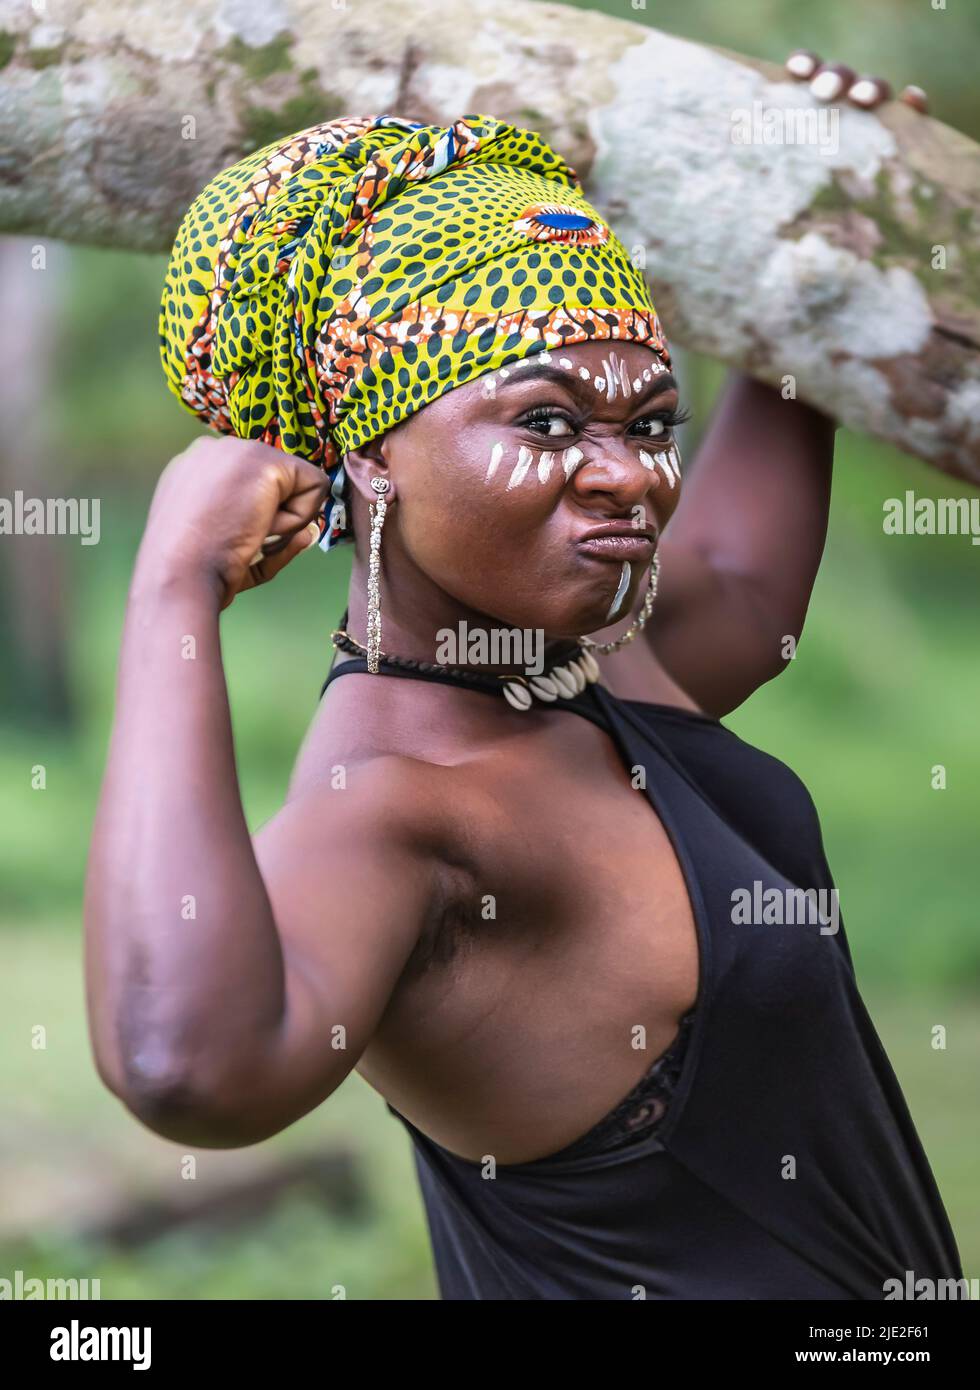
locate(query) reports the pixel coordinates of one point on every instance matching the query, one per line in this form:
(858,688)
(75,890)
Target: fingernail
(831,80)
(802,64)
(313,531)
(869,92)
(915,97)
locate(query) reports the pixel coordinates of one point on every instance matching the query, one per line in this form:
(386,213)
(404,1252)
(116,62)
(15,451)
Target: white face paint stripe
(665,465)
(624,376)
(624,583)
(672,460)
(496,453)
(524,459)
(569,459)
(616,376)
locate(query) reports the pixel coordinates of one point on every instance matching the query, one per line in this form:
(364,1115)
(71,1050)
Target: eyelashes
(667,420)
(670,419)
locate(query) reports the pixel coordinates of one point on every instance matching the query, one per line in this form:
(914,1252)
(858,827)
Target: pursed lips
(618,541)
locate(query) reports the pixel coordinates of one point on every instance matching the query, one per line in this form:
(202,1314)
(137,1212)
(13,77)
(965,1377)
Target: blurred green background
(884,687)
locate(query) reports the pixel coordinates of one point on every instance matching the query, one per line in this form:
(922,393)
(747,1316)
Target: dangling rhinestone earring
(377,511)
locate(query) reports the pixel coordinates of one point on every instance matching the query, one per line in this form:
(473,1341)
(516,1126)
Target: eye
(547,416)
(659,426)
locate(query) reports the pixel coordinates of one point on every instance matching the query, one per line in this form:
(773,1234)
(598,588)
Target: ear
(367,462)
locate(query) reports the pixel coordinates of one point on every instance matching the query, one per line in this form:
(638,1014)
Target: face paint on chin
(625,577)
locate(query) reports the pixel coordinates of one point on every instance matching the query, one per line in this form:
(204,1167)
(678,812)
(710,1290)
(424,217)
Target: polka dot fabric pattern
(329,285)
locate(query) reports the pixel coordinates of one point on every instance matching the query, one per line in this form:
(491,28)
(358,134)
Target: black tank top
(769,1154)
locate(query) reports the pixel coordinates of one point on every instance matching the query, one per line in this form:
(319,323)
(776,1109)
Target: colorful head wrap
(327,286)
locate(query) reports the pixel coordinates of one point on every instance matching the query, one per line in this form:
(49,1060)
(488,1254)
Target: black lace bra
(640,1113)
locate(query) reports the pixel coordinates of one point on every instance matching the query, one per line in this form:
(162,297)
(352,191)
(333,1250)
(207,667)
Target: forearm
(183,962)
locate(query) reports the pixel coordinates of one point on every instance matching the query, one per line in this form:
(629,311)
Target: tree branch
(848,262)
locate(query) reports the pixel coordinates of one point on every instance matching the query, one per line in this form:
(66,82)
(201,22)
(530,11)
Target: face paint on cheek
(524,460)
(622,587)
(569,459)
(672,460)
(665,467)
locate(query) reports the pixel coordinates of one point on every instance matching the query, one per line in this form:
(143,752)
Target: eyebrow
(541,371)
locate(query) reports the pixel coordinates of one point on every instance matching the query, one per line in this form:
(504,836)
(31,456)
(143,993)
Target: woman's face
(535,494)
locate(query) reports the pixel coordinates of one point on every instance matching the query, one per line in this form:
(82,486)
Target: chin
(590,617)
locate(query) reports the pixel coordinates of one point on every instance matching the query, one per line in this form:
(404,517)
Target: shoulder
(398,815)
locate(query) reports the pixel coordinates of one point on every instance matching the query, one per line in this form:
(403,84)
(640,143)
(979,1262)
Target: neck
(438,629)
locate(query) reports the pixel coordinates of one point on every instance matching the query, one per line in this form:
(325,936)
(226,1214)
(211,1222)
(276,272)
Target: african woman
(507,888)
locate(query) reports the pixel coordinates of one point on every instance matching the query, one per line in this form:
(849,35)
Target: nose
(614,479)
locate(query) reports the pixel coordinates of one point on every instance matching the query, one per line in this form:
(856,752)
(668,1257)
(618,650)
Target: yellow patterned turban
(327,286)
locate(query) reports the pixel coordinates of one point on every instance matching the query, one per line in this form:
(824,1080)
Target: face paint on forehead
(617,377)
(613,378)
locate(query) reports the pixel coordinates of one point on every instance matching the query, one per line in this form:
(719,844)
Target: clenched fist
(217,503)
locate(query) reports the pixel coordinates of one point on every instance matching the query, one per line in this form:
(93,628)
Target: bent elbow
(169,1098)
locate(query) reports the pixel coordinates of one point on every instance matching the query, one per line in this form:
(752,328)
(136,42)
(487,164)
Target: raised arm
(740,555)
(230,986)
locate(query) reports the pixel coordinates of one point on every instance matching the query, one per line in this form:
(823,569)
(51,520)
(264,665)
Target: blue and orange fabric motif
(328,285)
